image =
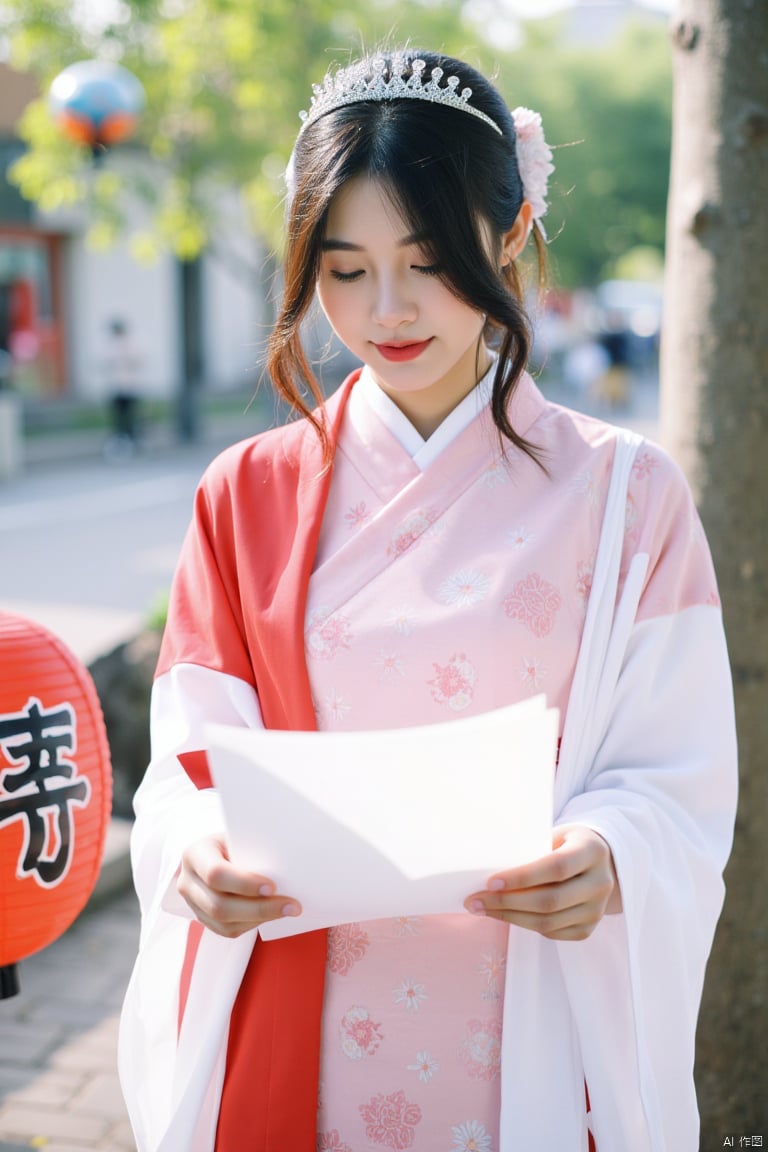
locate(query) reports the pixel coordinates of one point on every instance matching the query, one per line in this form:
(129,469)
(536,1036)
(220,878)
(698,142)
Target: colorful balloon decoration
(96,103)
(55,790)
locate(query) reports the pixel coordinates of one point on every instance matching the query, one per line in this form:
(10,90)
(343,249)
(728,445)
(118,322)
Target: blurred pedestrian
(435,541)
(122,368)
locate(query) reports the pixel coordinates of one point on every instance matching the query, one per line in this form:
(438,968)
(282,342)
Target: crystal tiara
(353,85)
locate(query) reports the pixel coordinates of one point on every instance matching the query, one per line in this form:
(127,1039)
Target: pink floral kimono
(453,577)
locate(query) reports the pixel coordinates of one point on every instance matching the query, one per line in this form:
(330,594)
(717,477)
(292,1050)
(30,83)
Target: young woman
(435,541)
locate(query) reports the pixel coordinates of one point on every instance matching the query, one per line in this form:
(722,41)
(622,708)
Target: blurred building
(60,300)
(598,22)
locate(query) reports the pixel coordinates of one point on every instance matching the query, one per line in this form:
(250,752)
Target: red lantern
(55,789)
(96,103)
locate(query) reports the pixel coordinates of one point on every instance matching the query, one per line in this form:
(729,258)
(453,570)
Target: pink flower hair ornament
(534,161)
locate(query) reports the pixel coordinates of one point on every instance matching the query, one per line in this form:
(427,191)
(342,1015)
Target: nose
(393,304)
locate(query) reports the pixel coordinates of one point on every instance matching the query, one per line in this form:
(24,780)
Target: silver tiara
(355,84)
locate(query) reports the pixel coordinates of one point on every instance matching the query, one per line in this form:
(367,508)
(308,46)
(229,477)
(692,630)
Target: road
(88,547)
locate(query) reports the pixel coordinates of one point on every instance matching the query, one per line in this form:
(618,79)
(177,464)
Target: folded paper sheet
(408,821)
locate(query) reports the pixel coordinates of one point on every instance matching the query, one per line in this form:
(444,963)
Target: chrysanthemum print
(407,925)
(454,683)
(402,619)
(390,1121)
(481,1049)
(357,515)
(644,463)
(492,968)
(585,485)
(347,943)
(332,709)
(464,588)
(425,1066)
(496,474)
(519,537)
(532,673)
(389,667)
(535,603)
(471,1136)
(409,994)
(360,1036)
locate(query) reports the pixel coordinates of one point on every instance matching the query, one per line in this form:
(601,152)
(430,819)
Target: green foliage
(225,80)
(607,112)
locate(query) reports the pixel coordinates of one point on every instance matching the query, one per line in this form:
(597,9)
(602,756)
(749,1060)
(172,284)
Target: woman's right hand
(226,899)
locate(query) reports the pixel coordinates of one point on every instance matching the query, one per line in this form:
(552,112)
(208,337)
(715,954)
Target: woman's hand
(226,899)
(563,895)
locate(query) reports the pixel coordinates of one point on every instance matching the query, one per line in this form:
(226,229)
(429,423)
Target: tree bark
(714,420)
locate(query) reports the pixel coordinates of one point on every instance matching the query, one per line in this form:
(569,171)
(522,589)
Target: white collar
(422,451)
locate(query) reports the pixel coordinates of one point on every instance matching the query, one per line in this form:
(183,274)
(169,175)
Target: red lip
(403,351)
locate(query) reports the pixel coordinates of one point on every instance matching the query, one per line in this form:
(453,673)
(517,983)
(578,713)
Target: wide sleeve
(170,1081)
(203,676)
(661,789)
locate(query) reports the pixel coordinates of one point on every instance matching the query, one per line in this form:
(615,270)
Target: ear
(514,241)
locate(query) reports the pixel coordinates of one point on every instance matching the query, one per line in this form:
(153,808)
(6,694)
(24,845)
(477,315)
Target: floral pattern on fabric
(644,463)
(453,683)
(331,1142)
(532,673)
(360,1036)
(437,595)
(534,602)
(391,1120)
(425,1065)
(347,944)
(327,634)
(411,531)
(481,1050)
(357,516)
(410,994)
(466,587)
(471,1137)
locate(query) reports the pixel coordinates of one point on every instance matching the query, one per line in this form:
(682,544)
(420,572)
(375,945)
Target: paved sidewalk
(58,1077)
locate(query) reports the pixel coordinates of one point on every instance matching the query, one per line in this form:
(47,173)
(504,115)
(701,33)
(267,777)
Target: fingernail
(496,885)
(477,908)
(266,890)
(290,910)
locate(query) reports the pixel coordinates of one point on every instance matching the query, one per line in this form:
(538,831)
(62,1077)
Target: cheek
(454,311)
(332,302)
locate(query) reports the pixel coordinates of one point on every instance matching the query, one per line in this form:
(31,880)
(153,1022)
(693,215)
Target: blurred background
(139,272)
(138,282)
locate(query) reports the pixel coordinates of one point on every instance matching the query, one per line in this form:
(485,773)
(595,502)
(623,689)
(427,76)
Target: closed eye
(427,269)
(346,277)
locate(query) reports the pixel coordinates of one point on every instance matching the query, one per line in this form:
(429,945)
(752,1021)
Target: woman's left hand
(563,895)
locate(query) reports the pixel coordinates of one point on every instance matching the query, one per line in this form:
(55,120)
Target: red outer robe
(270,1091)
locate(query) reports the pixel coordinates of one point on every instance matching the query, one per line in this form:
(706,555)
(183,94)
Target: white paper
(402,822)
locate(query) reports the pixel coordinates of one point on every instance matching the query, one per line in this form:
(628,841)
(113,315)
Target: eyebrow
(333,245)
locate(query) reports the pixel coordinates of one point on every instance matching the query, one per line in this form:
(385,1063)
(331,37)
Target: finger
(220,908)
(208,860)
(549,899)
(575,851)
(570,924)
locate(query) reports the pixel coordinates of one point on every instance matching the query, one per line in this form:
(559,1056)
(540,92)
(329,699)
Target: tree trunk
(714,420)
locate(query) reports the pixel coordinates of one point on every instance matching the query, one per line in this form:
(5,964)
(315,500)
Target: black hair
(452,177)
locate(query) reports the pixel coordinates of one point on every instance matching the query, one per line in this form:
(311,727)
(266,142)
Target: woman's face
(379,290)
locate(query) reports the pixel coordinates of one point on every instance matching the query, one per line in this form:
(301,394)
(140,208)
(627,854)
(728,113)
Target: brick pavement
(58,1077)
